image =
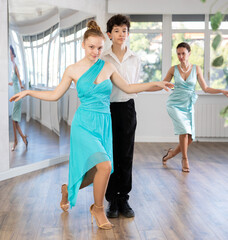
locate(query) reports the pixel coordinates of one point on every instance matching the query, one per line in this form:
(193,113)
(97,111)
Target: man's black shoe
(112,210)
(125,209)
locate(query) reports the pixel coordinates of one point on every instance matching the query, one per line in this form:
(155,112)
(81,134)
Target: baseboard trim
(176,139)
(14,172)
(211,139)
(156,139)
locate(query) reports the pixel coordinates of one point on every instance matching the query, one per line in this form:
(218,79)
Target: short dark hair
(184,45)
(118,20)
(12,50)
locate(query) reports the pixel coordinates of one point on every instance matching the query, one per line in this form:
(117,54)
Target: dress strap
(87,79)
(92,73)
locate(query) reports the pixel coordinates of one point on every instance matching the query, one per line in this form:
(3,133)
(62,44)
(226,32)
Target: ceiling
(27,12)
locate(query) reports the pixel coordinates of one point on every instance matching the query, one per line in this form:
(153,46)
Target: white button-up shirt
(129,69)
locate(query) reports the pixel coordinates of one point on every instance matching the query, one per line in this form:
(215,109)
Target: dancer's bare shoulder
(75,71)
(171,70)
(109,68)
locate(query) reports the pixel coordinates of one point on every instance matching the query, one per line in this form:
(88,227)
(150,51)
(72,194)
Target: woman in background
(180,105)
(16,115)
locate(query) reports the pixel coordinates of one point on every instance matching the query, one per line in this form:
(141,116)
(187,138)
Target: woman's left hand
(165,85)
(225,92)
(18,96)
(22,87)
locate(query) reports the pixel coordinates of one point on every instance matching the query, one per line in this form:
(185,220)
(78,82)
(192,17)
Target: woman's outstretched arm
(204,86)
(53,95)
(167,78)
(138,87)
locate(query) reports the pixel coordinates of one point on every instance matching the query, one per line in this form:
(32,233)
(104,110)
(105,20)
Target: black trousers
(123,128)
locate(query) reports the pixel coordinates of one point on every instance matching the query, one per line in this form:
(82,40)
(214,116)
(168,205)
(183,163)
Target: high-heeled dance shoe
(25,141)
(105,226)
(185,168)
(64,204)
(165,160)
(14,146)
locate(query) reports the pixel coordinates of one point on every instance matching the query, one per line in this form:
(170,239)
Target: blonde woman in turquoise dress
(91,159)
(180,104)
(16,115)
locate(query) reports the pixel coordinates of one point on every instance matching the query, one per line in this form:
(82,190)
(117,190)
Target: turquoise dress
(91,130)
(180,104)
(16,115)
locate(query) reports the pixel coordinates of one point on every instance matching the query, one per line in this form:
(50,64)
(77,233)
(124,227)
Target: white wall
(154,124)
(164,6)
(4,122)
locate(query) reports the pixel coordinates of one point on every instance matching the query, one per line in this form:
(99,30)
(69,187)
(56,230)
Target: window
(16,44)
(146,42)
(187,21)
(42,57)
(219,75)
(70,45)
(146,22)
(53,74)
(30,63)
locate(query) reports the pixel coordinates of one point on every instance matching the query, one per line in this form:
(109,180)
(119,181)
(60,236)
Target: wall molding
(14,172)
(175,139)
(155,139)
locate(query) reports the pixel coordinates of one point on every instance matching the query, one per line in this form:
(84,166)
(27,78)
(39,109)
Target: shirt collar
(127,54)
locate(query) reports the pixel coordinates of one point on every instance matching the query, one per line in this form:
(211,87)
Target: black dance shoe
(112,210)
(125,209)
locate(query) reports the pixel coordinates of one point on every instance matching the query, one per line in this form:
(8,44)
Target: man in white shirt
(123,117)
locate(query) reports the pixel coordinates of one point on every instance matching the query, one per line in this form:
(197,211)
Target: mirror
(34,30)
(46,39)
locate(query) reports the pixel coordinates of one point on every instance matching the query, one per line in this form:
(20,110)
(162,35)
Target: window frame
(167,31)
(53,33)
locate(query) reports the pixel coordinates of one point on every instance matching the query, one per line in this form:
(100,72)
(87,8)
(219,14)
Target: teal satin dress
(16,115)
(180,104)
(91,130)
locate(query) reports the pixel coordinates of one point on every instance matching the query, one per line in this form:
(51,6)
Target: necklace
(188,68)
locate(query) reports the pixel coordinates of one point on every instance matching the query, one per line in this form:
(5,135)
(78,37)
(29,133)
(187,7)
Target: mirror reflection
(46,39)
(34,35)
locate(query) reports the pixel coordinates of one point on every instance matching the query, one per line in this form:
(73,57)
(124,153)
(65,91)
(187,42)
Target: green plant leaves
(217,62)
(203,1)
(216,41)
(224,114)
(216,20)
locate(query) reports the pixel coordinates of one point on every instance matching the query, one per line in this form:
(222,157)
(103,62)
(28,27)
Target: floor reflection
(42,143)
(64,141)
(67,235)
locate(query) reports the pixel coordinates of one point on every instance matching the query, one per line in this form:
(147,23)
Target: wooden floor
(168,204)
(42,143)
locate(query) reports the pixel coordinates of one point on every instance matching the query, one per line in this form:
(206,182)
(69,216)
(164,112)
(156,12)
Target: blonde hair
(93,30)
